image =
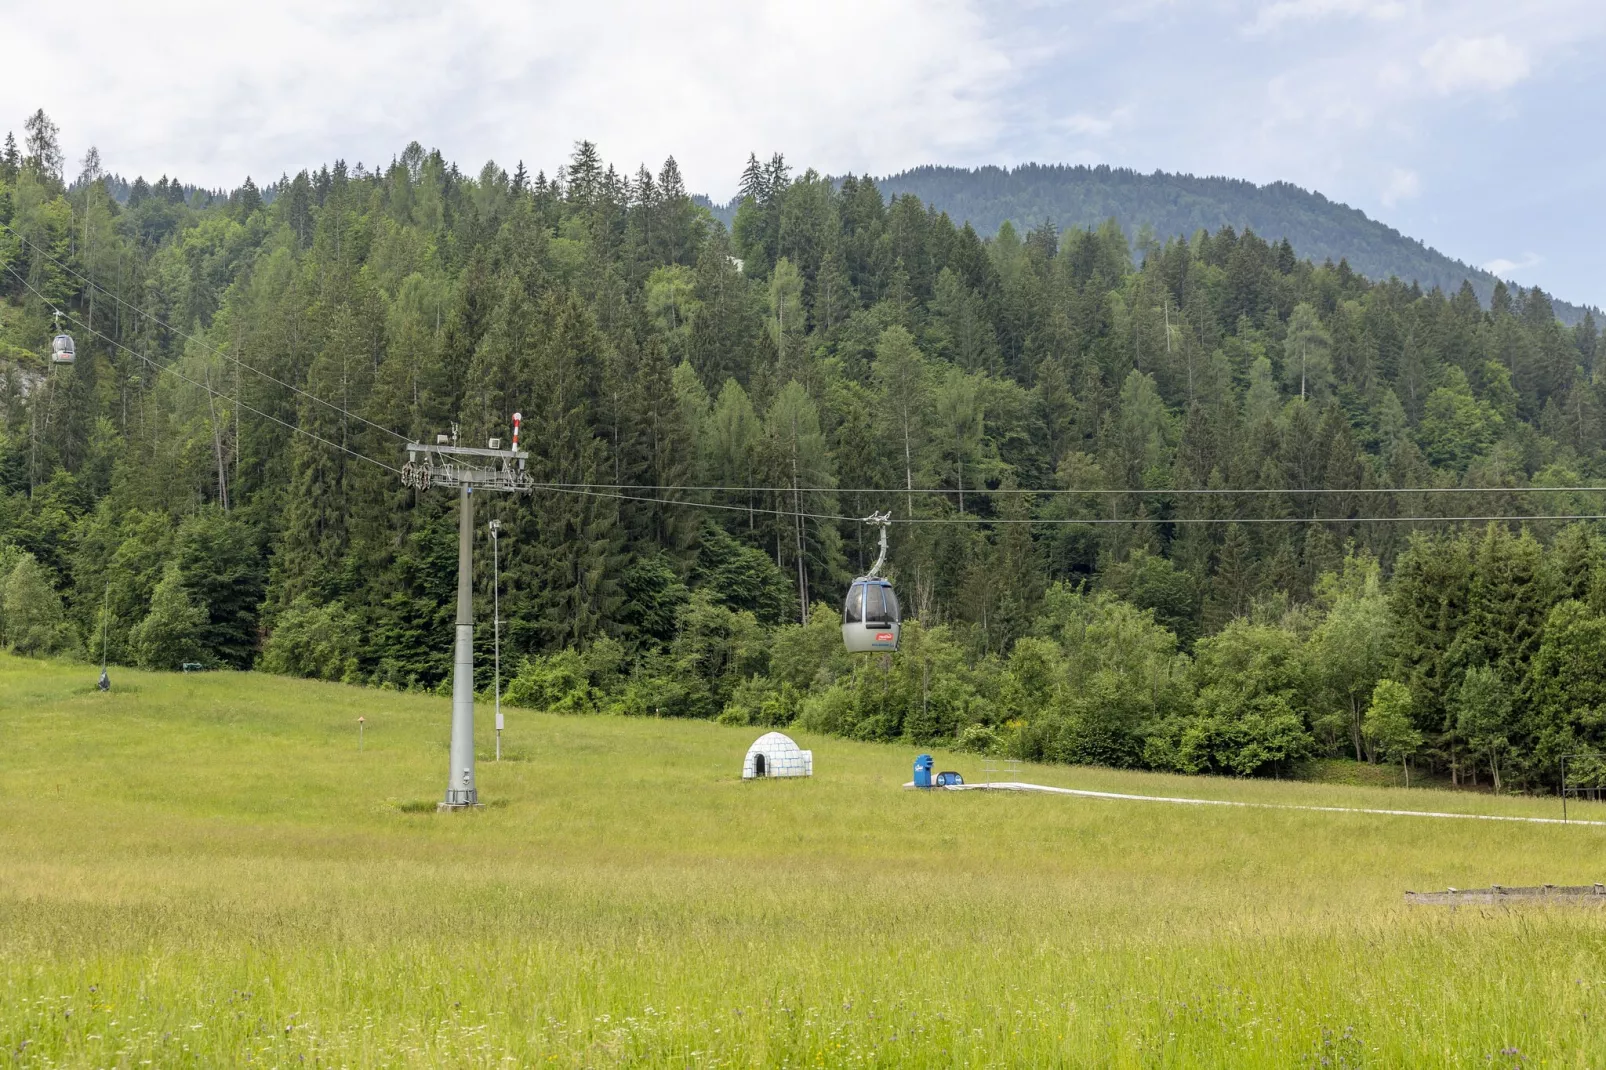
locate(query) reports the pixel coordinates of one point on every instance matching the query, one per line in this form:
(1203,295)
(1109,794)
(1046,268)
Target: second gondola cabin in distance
(62,350)
(871,616)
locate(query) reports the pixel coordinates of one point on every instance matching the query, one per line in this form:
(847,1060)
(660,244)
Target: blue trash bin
(923,771)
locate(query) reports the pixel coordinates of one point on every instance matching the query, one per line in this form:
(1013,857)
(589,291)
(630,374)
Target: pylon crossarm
(417,449)
(455,466)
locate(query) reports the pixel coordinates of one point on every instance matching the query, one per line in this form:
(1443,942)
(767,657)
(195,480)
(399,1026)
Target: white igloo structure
(775,754)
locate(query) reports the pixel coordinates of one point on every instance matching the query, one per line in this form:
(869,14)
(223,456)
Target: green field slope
(205,871)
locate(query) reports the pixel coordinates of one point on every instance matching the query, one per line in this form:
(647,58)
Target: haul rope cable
(202,386)
(594,490)
(191,338)
(587,492)
(602,489)
(909,491)
(1215,491)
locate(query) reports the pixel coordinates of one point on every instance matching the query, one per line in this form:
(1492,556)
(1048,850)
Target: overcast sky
(1474,125)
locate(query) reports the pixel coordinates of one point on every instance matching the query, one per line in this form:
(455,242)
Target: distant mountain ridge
(1179,205)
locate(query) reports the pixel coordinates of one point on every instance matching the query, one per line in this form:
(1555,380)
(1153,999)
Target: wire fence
(1000,769)
(1583,894)
(1583,778)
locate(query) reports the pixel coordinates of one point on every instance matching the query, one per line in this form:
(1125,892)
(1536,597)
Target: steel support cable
(202,386)
(198,341)
(590,492)
(1055,491)
(907,491)
(610,491)
(1251,520)
(597,489)
(594,493)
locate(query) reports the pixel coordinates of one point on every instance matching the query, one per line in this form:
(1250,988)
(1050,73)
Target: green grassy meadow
(204,870)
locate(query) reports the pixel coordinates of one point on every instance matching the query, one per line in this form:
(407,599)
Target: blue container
(923,771)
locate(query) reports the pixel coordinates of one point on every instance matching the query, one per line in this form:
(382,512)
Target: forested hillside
(1172,508)
(1172,205)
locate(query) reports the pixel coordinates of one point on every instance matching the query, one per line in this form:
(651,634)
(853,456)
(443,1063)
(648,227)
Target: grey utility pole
(446,464)
(496,624)
(105,683)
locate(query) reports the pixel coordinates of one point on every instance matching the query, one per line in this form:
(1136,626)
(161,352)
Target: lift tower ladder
(468,468)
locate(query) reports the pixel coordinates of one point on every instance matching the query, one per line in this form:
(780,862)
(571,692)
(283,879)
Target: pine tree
(585,175)
(567,565)
(727,325)
(732,439)
(666,442)
(753,182)
(1307,355)
(1233,585)
(901,376)
(1429,599)
(1507,600)
(1500,300)
(324,478)
(1586,339)
(168,636)
(250,199)
(958,423)
(297,207)
(680,230)
(10,159)
(800,463)
(31,617)
(43,146)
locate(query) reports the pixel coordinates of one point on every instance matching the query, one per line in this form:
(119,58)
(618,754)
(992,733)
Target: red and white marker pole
(517,417)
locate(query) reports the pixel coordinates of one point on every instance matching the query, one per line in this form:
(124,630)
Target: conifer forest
(1189,503)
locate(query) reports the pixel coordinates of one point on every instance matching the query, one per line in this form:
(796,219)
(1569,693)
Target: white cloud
(1488,63)
(212,93)
(1088,125)
(1402,185)
(1275,15)
(1368,101)
(1506,268)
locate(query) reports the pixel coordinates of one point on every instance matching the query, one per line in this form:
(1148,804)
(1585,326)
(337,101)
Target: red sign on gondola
(883,637)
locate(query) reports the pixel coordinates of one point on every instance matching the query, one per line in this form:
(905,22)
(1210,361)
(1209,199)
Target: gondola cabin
(870,616)
(62,350)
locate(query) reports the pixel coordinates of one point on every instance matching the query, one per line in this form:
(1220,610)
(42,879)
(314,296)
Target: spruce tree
(30,611)
(10,159)
(168,637)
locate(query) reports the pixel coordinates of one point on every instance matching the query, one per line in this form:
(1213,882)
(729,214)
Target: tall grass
(204,870)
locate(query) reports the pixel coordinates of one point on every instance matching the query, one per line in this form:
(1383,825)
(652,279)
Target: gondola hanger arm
(882,520)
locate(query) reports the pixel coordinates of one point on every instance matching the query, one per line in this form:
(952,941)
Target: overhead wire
(198,341)
(170,370)
(694,505)
(1194,520)
(1058,521)
(906,491)
(617,490)
(1057,491)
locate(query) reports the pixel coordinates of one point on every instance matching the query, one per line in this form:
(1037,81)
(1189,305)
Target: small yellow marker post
(360,721)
